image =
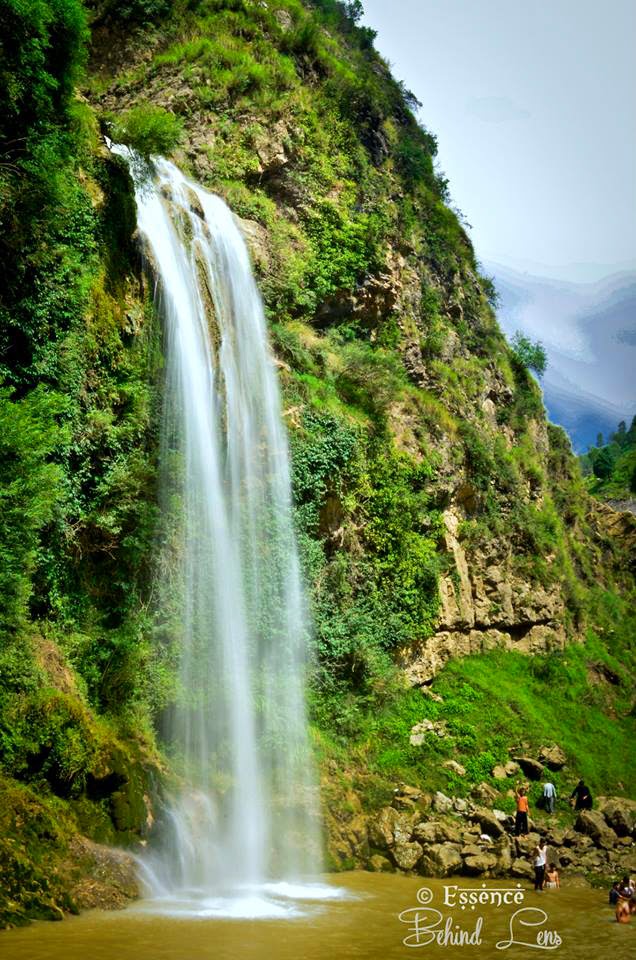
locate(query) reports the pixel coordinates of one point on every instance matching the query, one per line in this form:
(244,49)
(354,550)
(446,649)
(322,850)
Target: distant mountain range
(589,332)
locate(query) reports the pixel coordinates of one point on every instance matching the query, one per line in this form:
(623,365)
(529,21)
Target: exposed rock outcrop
(440,838)
(485,604)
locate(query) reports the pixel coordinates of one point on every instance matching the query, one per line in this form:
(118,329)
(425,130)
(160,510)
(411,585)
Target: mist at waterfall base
(242,836)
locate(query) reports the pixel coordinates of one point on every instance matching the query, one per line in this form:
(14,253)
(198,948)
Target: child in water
(625,909)
(552,881)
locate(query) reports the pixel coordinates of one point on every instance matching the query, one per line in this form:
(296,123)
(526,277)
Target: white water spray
(247,815)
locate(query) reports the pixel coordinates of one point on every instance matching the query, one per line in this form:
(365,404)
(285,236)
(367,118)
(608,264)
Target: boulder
(532,768)
(440,860)
(455,767)
(442,803)
(484,792)
(592,824)
(460,805)
(379,864)
(488,822)
(619,814)
(564,856)
(502,816)
(477,864)
(555,836)
(425,728)
(503,855)
(404,803)
(552,757)
(499,773)
(390,827)
(437,831)
(470,850)
(411,793)
(521,868)
(511,768)
(105,877)
(406,855)
(525,845)
(628,863)
(592,860)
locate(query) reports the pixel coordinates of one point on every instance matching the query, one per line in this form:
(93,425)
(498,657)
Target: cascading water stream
(247,815)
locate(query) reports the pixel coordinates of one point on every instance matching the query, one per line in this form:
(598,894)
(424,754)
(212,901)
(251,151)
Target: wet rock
(406,855)
(440,860)
(521,868)
(592,824)
(379,864)
(480,863)
(552,757)
(258,244)
(108,876)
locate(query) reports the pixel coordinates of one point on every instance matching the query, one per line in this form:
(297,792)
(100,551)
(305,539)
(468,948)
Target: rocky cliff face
(313,190)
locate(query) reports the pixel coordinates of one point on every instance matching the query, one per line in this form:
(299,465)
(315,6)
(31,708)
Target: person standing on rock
(540,854)
(549,796)
(581,796)
(521,818)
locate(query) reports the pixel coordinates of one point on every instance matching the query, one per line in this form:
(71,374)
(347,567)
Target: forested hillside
(610,467)
(449,542)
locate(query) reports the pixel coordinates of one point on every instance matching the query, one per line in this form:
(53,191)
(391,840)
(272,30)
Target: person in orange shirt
(521,819)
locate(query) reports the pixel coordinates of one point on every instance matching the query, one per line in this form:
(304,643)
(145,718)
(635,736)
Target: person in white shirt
(540,854)
(549,795)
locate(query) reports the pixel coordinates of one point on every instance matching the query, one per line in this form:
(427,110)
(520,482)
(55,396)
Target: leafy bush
(531,355)
(30,488)
(148,130)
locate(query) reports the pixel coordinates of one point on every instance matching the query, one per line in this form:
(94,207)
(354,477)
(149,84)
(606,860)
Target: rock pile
(441,836)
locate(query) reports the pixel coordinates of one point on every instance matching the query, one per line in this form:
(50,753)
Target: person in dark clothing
(581,796)
(614,894)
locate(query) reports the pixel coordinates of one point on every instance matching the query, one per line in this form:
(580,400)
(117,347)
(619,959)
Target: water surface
(362,924)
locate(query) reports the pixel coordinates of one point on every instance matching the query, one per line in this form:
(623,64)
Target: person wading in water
(540,854)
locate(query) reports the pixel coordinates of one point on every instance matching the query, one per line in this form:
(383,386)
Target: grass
(492,704)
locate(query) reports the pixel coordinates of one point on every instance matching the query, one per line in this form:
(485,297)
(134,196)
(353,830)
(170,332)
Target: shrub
(148,130)
(529,354)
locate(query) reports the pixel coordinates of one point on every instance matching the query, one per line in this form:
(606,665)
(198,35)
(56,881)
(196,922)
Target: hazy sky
(534,106)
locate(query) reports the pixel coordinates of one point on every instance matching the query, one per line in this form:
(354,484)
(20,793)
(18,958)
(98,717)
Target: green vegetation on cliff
(422,461)
(610,468)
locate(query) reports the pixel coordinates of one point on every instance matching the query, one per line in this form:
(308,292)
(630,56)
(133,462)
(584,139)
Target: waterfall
(246,814)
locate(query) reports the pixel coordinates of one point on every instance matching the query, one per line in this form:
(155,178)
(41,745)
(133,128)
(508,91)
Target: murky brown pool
(371,919)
